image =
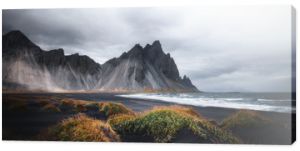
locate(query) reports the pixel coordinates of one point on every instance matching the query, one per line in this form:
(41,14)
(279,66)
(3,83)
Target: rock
(136,70)
(27,64)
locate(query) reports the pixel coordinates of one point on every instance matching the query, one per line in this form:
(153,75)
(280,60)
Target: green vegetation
(57,104)
(162,124)
(107,108)
(92,106)
(73,105)
(110,109)
(244,119)
(14,105)
(80,128)
(18,106)
(50,108)
(252,127)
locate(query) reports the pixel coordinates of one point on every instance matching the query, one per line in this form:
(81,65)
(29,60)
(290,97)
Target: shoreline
(14,122)
(111,96)
(217,114)
(136,104)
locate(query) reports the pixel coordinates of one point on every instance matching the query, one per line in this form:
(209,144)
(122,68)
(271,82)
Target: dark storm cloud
(219,48)
(42,26)
(108,32)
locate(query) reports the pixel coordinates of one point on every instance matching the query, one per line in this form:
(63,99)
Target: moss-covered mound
(55,105)
(72,105)
(18,106)
(244,118)
(166,124)
(110,109)
(179,109)
(105,108)
(80,128)
(250,126)
(29,103)
(50,108)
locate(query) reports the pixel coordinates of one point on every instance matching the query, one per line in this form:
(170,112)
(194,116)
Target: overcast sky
(221,48)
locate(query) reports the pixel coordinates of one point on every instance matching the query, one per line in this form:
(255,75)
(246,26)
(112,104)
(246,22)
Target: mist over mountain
(27,66)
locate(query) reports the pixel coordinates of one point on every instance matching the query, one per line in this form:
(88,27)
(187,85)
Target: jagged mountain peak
(16,33)
(147,46)
(156,46)
(58,51)
(156,43)
(149,64)
(139,69)
(136,51)
(137,46)
(149,51)
(16,39)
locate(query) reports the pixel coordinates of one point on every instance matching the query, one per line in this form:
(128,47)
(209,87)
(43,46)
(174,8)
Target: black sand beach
(26,125)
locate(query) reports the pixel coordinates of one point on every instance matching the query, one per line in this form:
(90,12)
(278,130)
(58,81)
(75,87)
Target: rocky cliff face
(28,66)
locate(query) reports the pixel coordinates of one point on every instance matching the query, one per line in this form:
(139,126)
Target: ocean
(277,102)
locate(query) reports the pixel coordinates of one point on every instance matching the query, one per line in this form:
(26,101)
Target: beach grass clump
(50,108)
(66,104)
(93,106)
(80,128)
(244,119)
(163,124)
(17,106)
(43,102)
(14,103)
(252,127)
(179,109)
(110,109)
(73,105)
(27,103)
(81,106)
(120,118)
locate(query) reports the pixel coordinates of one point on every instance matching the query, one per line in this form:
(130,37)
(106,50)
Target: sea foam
(235,103)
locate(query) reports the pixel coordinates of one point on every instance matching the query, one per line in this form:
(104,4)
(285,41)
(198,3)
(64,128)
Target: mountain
(27,66)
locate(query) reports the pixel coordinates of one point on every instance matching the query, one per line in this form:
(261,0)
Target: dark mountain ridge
(140,69)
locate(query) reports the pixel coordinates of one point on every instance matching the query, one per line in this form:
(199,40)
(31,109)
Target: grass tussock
(179,109)
(92,106)
(244,119)
(162,124)
(73,105)
(107,108)
(65,105)
(81,128)
(19,106)
(50,108)
(252,127)
(112,109)
(21,102)
(15,104)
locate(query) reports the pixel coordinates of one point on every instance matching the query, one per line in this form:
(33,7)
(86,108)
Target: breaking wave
(233,102)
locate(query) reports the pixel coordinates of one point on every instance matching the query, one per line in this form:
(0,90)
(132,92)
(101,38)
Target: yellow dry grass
(163,123)
(81,128)
(111,109)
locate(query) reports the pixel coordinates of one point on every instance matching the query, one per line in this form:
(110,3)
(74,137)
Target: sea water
(277,102)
